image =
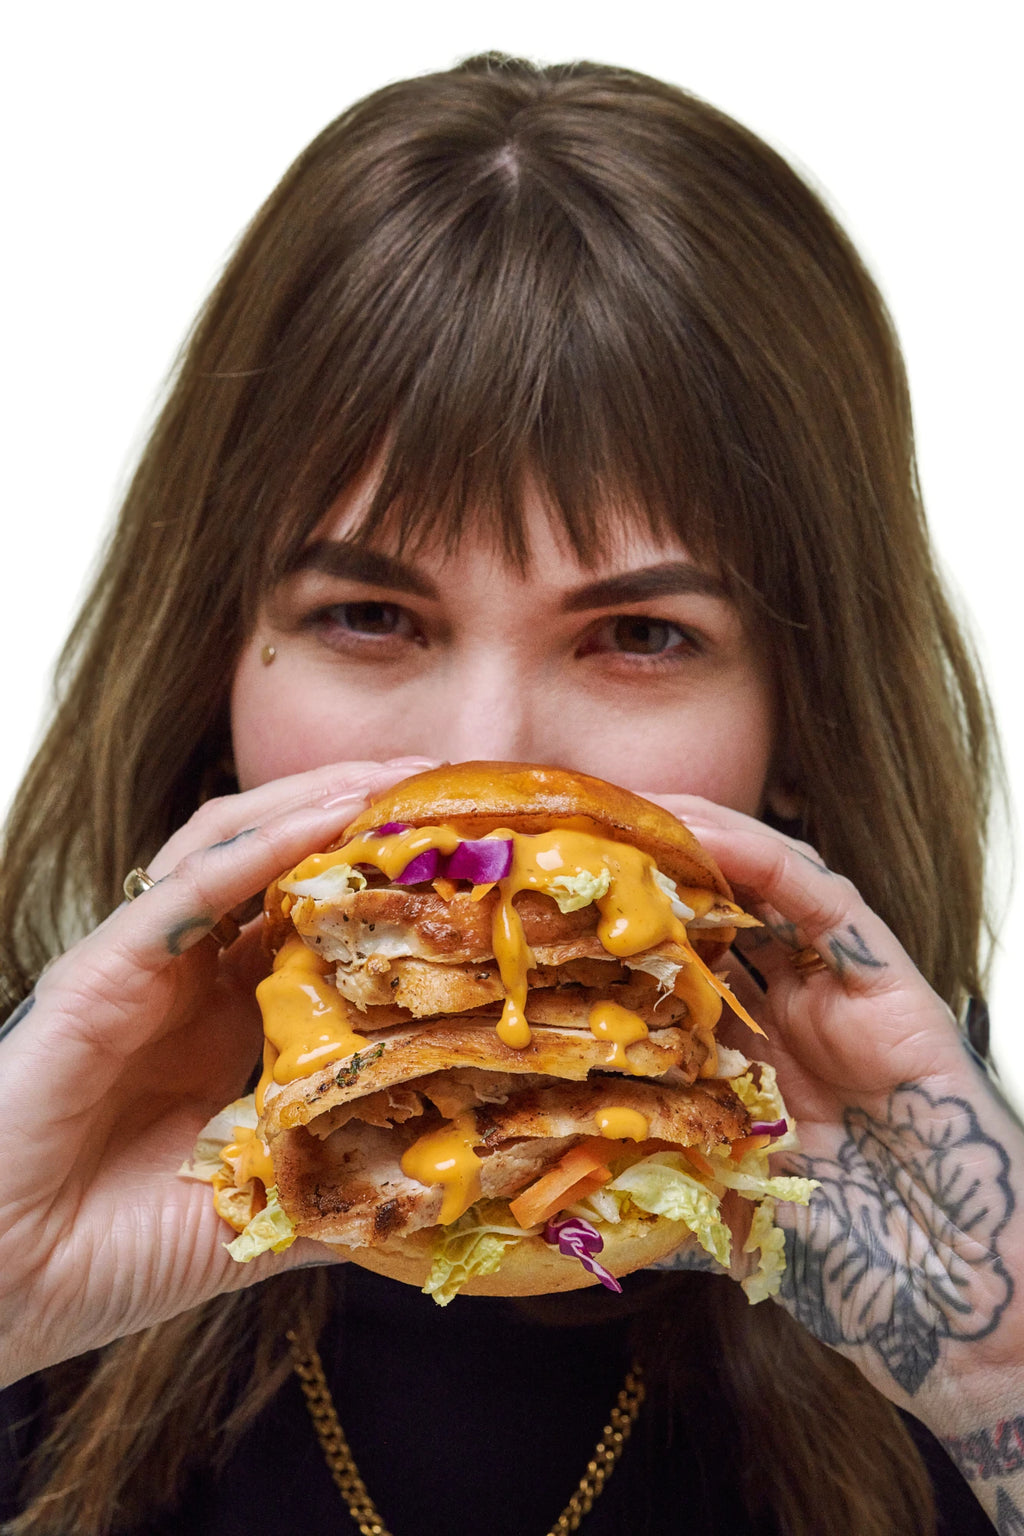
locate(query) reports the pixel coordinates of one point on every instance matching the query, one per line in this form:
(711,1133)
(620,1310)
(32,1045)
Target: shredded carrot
(747,1144)
(445,888)
(700,1162)
(548,1193)
(577,1191)
(480,891)
(726,993)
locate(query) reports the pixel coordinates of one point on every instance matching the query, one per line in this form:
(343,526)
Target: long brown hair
(584,278)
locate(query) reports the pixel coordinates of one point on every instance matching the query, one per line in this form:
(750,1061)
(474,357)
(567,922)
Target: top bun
(477,798)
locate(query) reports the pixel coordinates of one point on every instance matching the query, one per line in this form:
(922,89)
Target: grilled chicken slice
(350,1188)
(396,922)
(407,1052)
(557,994)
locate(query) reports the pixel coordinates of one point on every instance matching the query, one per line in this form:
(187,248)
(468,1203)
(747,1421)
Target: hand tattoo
(25,1007)
(691,1256)
(898,1250)
(851,952)
(989,1452)
(226,842)
(1009,1520)
(848,949)
(808,858)
(188,932)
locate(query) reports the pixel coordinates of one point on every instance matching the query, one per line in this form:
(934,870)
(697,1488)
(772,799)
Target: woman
(541,414)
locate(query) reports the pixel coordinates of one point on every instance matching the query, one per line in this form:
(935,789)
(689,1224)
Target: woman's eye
(638,635)
(645,637)
(371,618)
(370,621)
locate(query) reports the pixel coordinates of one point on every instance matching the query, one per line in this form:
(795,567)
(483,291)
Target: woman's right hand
(129,1043)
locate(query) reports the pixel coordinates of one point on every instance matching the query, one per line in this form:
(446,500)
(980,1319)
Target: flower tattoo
(898,1250)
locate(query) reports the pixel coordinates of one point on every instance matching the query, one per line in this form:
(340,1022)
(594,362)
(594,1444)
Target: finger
(803,905)
(120,988)
(223,818)
(181,908)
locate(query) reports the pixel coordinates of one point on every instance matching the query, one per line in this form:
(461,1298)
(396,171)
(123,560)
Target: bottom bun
(533,1267)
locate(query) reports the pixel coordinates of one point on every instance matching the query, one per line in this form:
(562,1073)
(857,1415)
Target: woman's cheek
(285,719)
(690,767)
(719,747)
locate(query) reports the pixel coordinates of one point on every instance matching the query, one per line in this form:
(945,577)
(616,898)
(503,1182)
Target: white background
(139,140)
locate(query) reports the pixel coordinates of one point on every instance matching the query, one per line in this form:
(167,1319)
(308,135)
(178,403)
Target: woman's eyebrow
(671,579)
(336,557)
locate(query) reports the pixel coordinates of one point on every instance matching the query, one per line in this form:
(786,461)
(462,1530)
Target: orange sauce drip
(446,1157)
(634,913)
(254,1155)
(709,1066)
(514,957)
(305,1019)
(621,1124)
(620,1027)
(725,993)
(698,900)
(703,1002)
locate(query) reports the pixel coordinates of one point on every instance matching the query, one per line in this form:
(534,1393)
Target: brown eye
(369,618)
(644,637)
(366,630)
(637,634)
(379,619)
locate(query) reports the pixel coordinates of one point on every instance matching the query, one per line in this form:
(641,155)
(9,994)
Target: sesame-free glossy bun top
(476,798)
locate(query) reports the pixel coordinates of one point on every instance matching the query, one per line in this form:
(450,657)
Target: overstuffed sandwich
(490,1059)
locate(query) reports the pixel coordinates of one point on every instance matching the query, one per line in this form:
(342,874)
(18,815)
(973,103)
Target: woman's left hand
(908,1255)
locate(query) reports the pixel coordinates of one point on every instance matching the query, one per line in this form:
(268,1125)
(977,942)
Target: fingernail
(413,762)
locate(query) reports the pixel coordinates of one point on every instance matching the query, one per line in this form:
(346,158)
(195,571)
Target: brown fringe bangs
(499,300)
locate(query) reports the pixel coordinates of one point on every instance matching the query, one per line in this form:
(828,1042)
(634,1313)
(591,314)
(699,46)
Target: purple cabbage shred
(577,1239)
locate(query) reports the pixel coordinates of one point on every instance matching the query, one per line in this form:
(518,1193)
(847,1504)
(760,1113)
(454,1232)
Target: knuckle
(832,909)
(212,816)
(189,871)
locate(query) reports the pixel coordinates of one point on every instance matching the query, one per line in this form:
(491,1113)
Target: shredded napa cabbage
(473,1245)
(769,1243)
(660,967)
(215,1135)
(269,1231)
(762,1099)
(662,1185)
(756,1183)
(572,892)
(337,880)
(668,887)
(668,1184)
(235,1205)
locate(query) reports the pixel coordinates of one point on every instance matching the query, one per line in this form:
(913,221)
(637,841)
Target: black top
(497,1444)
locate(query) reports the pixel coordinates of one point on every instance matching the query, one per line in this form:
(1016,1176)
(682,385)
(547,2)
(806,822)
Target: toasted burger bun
(532,1267)
(477,798)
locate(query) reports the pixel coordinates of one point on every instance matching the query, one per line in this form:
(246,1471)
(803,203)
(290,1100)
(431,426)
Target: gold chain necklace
(309,1369)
